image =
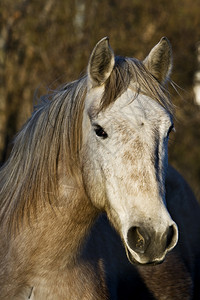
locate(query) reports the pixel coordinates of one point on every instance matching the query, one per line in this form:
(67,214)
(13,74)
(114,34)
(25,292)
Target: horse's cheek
(94,184)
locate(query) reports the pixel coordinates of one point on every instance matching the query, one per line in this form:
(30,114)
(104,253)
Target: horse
(89,207)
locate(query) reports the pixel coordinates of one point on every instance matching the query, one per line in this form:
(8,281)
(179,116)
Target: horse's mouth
(131,259)
(134,261)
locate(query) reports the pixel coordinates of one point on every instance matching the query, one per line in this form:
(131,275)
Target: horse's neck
(56,233)
(65,228)
(45,244)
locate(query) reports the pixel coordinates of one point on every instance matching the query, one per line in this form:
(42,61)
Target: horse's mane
(53,134)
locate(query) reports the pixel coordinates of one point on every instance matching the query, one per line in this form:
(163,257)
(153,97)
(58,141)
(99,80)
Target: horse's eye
(171,128)
(100,132)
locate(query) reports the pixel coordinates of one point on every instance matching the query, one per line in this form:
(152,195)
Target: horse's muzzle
(146,247)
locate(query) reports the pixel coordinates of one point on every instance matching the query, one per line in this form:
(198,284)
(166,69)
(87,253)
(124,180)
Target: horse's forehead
(130,106)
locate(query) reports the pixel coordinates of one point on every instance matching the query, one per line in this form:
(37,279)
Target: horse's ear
(159,60)
(101,62)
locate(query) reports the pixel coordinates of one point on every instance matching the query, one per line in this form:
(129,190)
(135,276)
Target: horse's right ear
(101,62)
(159,60)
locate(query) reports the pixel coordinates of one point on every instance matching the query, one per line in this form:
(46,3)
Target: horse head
(126,124)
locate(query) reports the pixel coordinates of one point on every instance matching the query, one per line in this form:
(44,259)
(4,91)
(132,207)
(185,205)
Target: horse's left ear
(101,62)
(159,60)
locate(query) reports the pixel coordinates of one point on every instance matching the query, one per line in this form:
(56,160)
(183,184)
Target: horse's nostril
(137,239)
(170,236)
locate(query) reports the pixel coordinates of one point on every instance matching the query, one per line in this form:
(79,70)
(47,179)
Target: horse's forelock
(127,70)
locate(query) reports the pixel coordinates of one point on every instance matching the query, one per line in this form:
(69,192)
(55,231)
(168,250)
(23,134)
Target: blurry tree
(46,43)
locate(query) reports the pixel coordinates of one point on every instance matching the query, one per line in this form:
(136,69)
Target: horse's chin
(134,261)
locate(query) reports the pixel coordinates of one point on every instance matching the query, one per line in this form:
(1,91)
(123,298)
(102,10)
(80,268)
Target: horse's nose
(138,239)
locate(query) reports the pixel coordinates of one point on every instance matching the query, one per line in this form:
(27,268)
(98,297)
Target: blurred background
(44,44)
